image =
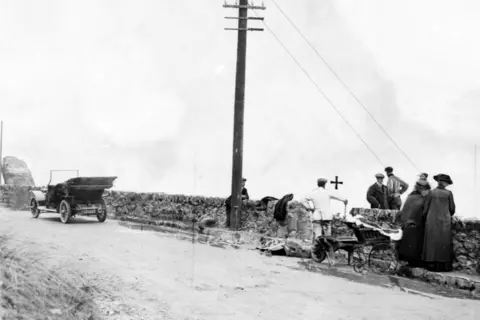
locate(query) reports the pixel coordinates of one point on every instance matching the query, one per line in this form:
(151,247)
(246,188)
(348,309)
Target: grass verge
(31,290)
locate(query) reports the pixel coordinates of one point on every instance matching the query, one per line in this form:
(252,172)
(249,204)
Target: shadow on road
(79,220)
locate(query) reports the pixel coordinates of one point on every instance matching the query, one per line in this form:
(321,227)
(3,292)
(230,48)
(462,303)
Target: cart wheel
(319,255)
(103,215)
(65,211)
(383,258)
(359,260)
(34,208)
(319,251)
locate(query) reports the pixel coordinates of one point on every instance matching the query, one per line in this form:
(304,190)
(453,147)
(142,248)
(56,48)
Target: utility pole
(237,168)
(1,156)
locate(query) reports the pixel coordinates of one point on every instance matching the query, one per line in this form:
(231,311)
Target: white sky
(144,90)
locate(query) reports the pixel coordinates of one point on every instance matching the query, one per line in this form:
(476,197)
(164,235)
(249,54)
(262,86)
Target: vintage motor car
(80,196)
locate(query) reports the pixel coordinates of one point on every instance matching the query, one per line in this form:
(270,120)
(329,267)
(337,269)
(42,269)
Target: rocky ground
(146,275)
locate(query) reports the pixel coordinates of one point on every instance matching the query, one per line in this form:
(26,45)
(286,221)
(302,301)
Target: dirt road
(148,275)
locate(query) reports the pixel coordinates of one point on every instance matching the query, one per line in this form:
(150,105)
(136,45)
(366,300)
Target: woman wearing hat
(411,246)
(438,211)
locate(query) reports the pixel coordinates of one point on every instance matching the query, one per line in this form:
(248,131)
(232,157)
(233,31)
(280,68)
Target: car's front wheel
(34,208)
(65,211)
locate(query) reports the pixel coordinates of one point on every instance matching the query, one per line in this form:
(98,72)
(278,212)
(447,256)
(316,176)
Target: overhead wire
(321,91)
(344,84)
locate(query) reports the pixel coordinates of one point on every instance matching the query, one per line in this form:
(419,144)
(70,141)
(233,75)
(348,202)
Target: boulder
(298,248)
(16,172)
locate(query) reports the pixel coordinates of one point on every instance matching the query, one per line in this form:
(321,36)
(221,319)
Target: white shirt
(321,202)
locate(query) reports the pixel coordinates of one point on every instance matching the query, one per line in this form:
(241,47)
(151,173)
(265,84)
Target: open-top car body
(80,196)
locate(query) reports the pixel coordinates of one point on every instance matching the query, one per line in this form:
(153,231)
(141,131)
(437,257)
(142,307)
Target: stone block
(476,288)
(463,283)
(439,278)
(451,281)
(418,272)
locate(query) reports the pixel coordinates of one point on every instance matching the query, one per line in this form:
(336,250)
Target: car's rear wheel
(65,211)
(34,208)
(102,216)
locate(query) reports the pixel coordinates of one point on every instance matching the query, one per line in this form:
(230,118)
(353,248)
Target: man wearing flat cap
(322,213)
(377,194)
(228,203)
(395,188)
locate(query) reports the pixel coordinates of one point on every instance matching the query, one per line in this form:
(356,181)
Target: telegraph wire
(344,84)
(321,91)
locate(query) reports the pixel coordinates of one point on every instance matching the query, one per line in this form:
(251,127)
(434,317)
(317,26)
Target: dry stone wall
(184,212)
(16,197)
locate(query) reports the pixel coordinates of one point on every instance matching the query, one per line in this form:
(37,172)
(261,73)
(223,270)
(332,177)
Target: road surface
(147,275)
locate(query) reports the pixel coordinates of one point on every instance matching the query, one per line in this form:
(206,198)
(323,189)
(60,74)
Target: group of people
(425,217)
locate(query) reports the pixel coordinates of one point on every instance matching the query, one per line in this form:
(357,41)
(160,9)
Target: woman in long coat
(438,211)
(413,226)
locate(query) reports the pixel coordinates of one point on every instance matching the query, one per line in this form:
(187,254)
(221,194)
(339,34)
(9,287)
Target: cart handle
(51,171)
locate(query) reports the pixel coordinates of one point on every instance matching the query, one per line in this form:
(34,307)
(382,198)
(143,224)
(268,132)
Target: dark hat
(243,179)
(379,175)
(388,169)
(443,177)
(322,180)
(421,184)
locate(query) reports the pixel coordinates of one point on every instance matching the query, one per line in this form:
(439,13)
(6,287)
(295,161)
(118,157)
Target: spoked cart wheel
(359,260)
(383,258)
(34,208)
(102,216)
(65,212)
(318,254)
(320,249)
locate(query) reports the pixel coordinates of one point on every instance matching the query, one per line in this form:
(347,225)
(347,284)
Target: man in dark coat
(438,211)
(413,226)
(228,201)
(377,193)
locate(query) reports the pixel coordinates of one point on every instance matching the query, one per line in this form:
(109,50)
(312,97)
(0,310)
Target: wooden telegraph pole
(237,168)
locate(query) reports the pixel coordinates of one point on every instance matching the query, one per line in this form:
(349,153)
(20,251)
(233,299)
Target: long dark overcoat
(439,209)
(413,226)
(377,196)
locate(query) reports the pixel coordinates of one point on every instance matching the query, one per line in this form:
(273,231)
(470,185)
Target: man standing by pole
(236,200)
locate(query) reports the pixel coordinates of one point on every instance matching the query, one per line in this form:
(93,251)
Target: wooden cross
(336,182)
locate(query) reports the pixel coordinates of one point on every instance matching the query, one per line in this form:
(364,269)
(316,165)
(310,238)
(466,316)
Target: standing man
(377,194)
(228,203)
(395,188)
(322,212)
(245,195)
